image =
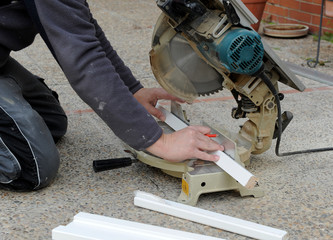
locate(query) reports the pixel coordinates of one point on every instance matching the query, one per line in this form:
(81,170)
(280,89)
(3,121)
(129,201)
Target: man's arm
(91,69)
(94,72)
(124,72)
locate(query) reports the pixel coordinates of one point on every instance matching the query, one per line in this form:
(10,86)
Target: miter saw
(200,47)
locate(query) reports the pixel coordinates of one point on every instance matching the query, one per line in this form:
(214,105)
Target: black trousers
(31,122)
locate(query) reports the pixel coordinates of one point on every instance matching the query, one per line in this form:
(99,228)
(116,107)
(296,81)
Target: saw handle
(113,163)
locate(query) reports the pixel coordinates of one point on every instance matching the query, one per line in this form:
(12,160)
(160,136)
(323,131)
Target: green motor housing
(241,51)
(238,50)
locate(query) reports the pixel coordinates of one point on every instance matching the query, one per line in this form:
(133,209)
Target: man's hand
(148,98)
(187,143)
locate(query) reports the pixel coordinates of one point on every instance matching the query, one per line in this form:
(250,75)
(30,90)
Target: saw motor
(197,43)
(201,47)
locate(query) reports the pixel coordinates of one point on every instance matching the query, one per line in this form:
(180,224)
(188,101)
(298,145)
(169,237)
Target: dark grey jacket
(91,65)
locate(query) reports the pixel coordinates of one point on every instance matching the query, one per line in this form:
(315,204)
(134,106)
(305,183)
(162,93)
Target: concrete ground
(298,189)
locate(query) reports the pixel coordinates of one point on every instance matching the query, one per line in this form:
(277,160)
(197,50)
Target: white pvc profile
(87,226)
(220,221)
(235,170)
(174,122)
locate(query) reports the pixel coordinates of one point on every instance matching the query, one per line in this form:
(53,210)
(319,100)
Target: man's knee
(58,127)
(30,158)
(48,169)
(15,78)
(29,171)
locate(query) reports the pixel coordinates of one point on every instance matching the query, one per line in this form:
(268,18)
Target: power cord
(311,63)
(271,87)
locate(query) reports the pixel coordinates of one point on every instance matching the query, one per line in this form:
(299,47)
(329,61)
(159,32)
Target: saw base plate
(198,176)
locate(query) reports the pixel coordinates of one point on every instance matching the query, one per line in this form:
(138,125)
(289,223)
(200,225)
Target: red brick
(274,18)
(327,22)
(310,8)
(293,4)
(295,22)
(308,15)
(317,1)
(313,29)
(330,30)
(315,20)
(273,2)
(267,8)
(266,17)
(308,1)
(301,16)
(282,20)
(279,10)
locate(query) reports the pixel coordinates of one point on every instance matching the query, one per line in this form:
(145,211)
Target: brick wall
(305,12)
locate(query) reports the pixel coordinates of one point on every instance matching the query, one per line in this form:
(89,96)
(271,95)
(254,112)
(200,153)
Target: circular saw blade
(178,68)
(202,76)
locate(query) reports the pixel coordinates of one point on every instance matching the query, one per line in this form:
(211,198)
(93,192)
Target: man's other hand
(148,98)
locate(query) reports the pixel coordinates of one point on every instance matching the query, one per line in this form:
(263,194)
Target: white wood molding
(229,165)
(87,226)
(174,122)
(235,170)
(220,221)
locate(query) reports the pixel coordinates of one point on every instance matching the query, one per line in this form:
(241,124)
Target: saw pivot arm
(177,10)
(233,18)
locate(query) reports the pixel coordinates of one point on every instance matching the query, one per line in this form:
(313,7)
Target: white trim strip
(174,122)
(220,221)
(87,226)
(235,170)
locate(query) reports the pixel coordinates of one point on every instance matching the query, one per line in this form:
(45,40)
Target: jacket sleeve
(123,71)
(94,69)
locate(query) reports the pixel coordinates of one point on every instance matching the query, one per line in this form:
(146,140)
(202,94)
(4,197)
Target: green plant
(320,62)
(328,36)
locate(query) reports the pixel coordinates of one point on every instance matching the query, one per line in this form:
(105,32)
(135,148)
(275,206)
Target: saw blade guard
(195,54)
(178,68)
